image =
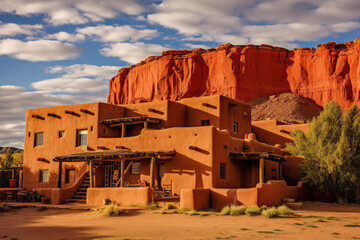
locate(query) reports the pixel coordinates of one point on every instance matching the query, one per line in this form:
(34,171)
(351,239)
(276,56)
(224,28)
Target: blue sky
(58,52)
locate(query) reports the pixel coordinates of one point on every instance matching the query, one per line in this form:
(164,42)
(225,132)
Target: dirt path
(317,221)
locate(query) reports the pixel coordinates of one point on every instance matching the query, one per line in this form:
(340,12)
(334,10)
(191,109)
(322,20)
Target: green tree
(8,160)
(331,151)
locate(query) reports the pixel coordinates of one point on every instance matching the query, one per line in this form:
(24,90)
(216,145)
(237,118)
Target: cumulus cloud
(66,37)
(13,29)
(277,22)
(39,50)
(132,52)
(72,11)
(107,33)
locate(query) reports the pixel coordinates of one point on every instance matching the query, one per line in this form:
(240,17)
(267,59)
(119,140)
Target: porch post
(60,174)
(146,124)
(280,170)
(91,173)
(261,170)
(123,130)
(122,166)
(152,163)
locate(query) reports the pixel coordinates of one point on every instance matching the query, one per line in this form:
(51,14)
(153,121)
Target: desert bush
(171,206)
(284,210)
(112,210)
(237,210)
(225,211)
(252,211)
(263,207)
(192,212)
(152,205)
(270,212)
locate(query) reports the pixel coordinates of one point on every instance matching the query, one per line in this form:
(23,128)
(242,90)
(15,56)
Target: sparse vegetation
(352,225)
(225,211)
(270,212)
(237,210)
(264,231)
(192,212)
(152,206)
(284,211)
(252,211)
(113,210)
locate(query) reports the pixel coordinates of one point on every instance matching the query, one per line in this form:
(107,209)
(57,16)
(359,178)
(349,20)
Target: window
(61,134)
(136,168)
(44,176)
(205,122)
(223,171)
(69,175)
(236,127)
(39,139)
(81,137)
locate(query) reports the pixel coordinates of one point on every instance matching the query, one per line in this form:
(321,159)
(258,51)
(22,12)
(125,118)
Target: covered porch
(260,157)
(119,162)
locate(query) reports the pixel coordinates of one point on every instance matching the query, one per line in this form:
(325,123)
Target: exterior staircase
(290,202)
(80,194)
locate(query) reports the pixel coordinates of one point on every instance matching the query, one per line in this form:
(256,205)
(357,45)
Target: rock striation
(243,72)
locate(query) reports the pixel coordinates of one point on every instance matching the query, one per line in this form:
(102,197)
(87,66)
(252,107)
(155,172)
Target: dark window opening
(81,137)
(69,175)
(29,134)
(236,127)
(91,128)
(44,176)
(136,168)
(273,173)
(61,134)
(39,139)
(223,171)
(205,122)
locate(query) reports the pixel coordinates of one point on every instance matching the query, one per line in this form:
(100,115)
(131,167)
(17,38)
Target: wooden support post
(60,175)
(12,173)
(261,170)
(146,124)
(91,173)
(280,170)
(123,130)
(122,177)
(125,172)
(20,178)
(152,163)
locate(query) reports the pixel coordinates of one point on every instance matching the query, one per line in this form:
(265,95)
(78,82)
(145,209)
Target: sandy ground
(317,221)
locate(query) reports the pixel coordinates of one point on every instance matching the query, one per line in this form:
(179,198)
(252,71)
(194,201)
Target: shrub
(4,208)
(262,208)
(112,210)
(192,212)
(270,212)
(172,206)
(252,211)
(284,210)
(225,211)
(237,210)
(152,205)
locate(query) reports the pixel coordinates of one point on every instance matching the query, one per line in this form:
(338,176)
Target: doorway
(161,171)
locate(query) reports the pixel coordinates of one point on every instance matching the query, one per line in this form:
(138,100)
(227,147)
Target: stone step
(77,201)
(85,185)
(80,193)
(295,205)
(288,200)
(82,189)
(79,197)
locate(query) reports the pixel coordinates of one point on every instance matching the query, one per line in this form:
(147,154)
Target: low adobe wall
(269,194)
(123,196)
(195,198)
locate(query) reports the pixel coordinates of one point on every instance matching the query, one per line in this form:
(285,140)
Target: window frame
(135,170)
(41,176)
(236,127)
(205,122)
(222,171)
(36,143)
(78,139)
(61,134)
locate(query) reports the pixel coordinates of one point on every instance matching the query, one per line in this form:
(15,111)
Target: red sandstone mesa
(331,71)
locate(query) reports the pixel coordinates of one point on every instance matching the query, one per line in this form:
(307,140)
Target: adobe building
(200,151)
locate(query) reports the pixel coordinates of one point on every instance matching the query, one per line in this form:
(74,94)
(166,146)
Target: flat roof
(130,120)
(114,155)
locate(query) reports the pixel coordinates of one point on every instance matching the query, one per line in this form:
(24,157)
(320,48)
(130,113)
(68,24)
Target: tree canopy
(331,151)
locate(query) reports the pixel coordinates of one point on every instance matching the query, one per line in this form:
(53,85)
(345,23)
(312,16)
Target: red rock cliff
(331,71)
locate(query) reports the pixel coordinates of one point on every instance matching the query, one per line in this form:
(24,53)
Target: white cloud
(194,46)
(12,134)
(132,52)
(66,37)
(39,50)
(107,33)
(72,11)
(85,70)
(13,29)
